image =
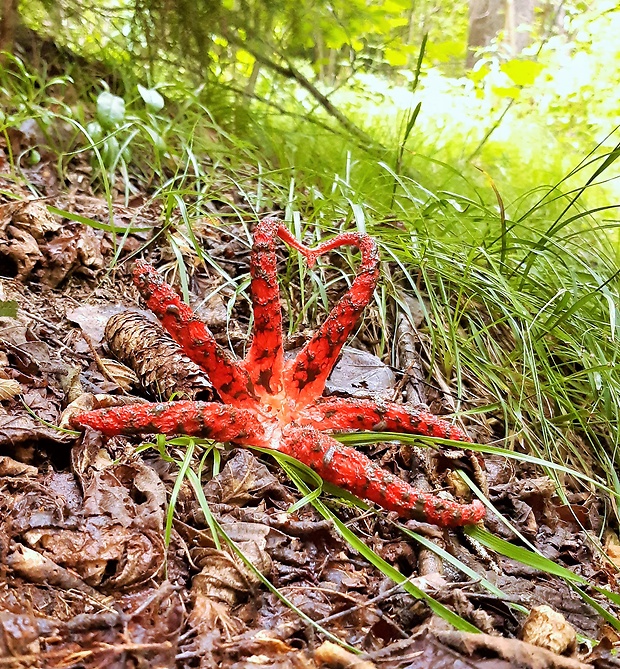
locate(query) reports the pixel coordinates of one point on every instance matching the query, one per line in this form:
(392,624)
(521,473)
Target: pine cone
(159,362)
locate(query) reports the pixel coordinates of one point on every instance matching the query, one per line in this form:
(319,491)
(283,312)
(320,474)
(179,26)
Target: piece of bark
(407,350)
(407,359)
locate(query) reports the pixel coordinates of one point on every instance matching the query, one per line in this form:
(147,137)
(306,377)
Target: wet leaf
(515,653)
(19,427)
(242,479)
(19,635)
(38,568)
(103,553)
(92,318)
(10,467)
(224,577)
(130,494)
(34,241)
(361,374)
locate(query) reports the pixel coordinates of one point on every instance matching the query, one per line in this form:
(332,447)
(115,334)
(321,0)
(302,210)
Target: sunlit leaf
(152,98)
(396,57)
(95,131)
(336,38)
(110,150)
(479,73)
(245,57)
(507,91)
(396,6)
(444,51)
(522,72)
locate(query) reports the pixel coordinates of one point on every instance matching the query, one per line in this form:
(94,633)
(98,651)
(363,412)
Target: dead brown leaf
(612,547)
(38,568)
(521,655)
(35,242)
(10,467)
(92,318)
(19,427)
(107,555)
(9,388)
(329,654)
(126,493)
(242,479)
(361,374)
(22,226)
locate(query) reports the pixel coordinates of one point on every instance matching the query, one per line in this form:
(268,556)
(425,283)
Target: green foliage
(248,59)
(8,308)
(522,72)
(110,110)
(152,98)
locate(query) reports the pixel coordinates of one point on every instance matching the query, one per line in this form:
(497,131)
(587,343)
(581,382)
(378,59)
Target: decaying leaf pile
(87,578)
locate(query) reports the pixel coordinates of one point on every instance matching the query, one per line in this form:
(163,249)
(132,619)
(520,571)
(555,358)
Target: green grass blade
(183,469)
(536,561)
(454,619)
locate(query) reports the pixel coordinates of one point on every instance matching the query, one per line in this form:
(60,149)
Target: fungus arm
(228,377)
(209,420)
(340,414)
(305,376)
(347,468)
(264,360)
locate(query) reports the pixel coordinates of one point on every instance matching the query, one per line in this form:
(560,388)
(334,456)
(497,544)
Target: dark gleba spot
(311,374)
(264,378)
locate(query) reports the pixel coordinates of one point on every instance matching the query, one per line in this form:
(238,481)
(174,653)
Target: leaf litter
(88,576)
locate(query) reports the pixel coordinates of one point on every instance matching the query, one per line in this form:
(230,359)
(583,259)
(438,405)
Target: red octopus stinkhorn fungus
(270,402)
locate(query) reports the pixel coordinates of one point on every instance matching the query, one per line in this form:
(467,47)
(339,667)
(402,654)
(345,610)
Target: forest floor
(92,577)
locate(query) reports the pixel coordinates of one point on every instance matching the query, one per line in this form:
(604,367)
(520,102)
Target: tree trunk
(319,55)
(486,19)
(519,20)
(251,85)
(8,24)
